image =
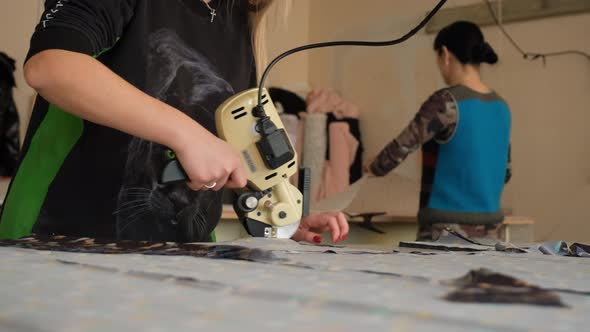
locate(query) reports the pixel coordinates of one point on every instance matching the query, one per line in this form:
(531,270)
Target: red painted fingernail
(344,237)
(317,239)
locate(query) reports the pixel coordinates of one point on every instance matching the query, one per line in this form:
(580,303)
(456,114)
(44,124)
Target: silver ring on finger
(210,186)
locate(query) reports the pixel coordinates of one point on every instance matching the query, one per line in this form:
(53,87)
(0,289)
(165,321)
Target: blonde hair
(260,23)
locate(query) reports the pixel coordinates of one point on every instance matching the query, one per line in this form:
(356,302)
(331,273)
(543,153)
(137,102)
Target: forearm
(388,159)
(437,118)
(82,86)
(408,141)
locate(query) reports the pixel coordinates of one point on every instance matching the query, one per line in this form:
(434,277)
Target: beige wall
(549,103)
(286,33)
(18,19)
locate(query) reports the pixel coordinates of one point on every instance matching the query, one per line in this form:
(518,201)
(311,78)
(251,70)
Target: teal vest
(471,165)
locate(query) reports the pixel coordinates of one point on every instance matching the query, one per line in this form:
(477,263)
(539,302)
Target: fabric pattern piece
(98,246)
(485,286)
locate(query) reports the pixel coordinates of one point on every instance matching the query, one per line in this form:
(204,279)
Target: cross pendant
(213,14)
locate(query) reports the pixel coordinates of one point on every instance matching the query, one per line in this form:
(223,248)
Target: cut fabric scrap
(448,241)
(509,247)
(561,248)
(485,286)
(432,232)
(443,247)
(581,250)
(451,240)
(452,236)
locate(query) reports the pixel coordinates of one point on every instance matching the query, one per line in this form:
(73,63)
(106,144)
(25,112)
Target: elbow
(34,75)
(37,71)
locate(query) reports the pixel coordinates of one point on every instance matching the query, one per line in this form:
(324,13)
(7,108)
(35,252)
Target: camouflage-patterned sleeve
(437,119)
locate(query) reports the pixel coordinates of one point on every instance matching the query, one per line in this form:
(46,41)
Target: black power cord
(343,43)
(530,55)
(274,145)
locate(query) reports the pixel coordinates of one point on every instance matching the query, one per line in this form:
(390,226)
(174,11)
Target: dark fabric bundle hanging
(9,121)
(356,169)
(291,102)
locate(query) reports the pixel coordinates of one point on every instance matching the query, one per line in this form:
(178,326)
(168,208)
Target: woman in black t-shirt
(119,81)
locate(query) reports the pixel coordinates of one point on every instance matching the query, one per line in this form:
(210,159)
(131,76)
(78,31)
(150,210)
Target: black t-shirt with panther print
(78,178)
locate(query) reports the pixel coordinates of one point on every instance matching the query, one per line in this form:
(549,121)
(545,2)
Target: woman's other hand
(316,224)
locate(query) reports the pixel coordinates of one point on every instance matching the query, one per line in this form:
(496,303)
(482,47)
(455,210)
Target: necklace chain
(213,11)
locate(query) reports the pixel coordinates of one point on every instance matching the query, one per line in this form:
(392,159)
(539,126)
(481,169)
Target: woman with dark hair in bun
(464,132)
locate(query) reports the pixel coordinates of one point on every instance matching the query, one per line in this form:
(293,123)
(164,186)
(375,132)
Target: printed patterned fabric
(103,246)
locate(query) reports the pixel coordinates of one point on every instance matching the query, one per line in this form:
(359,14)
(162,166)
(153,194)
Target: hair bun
(484,53)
